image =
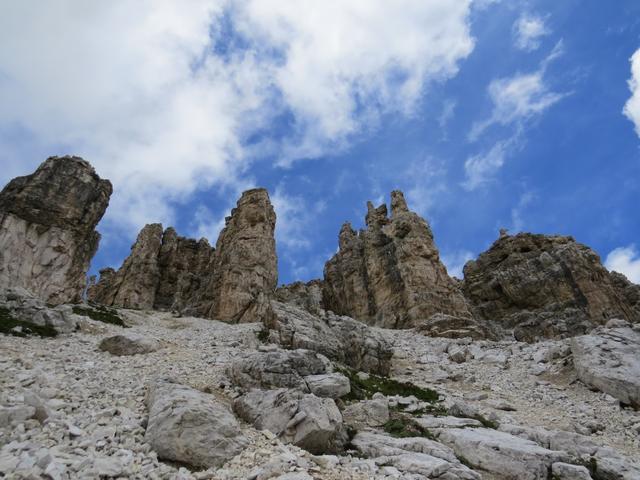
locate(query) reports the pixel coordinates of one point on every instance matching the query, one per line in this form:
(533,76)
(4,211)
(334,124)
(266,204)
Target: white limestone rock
(129,344)
(189,426)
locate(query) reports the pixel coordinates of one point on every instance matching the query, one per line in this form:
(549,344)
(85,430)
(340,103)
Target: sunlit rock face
(390,274)
(47,228)
(233,282)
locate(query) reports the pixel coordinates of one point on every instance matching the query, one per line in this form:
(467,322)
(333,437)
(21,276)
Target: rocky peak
(544,286)
(245,272)
(398,203)
(390,275)
(233,282)
(47,228)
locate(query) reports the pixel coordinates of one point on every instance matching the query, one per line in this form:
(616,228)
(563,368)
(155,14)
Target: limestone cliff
(390,274)
(47,228)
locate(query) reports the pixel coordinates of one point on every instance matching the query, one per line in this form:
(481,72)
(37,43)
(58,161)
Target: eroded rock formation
(390,274)
(163,271)
(544,286)
(233,282)
(47,228)
(245,271)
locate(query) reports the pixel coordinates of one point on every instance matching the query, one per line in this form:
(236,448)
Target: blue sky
(487,114)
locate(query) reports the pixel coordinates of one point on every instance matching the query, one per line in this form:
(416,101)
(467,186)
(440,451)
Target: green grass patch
(100,313)
(263,335)
(8,324)
(435,409)
(401,426)
(363,388)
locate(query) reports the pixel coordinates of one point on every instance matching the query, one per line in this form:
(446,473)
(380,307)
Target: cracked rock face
(543,286)
(390,275)
(163,272)
(47,228)
(245,273)
(233,283)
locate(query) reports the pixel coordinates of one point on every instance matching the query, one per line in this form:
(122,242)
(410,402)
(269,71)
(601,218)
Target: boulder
(341,339)
(413,456)
(305,420)
(565,471)
(608,360)
(499,453)
(278,369)
(543,286)
(190,427)
(47,228)
(367,413)
(390,275)
(21,313)
(129,344)
(328,385)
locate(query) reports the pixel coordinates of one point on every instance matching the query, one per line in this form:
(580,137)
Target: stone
(367,413)
(417,456)
(565,471)
(608,360)
(309,422)
(16,414)
(500,453)
(307,296)
(278,369)
(541,286)
(245,271)
(328,385)
(47,228)
(451,326)
(390,275)
(129,344)
(24,307)
(341,339)
(191,427)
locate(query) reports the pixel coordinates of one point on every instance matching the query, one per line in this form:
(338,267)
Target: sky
(488,114)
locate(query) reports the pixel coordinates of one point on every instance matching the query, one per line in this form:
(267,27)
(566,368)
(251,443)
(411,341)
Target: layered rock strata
(544,286)
(390,274)
(47,228)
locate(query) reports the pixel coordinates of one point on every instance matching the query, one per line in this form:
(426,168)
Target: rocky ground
(71,410)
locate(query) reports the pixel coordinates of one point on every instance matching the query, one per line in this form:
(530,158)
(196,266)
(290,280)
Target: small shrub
(403,427)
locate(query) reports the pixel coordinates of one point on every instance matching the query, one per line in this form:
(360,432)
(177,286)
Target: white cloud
(455,262)
(293,219)
(632,107)
(625,260)
(520,97)
(426,185)
(481,168)
(528,30)
(141,92)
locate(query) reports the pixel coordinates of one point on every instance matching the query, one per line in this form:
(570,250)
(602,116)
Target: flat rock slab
(413,456)
(429,421)
(511,457)
(130,344)
(189,426)
(608,360)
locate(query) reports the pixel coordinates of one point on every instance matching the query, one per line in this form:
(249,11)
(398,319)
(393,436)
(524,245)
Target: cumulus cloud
(161,96)
(625,260)
(528,29)
(632,107)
